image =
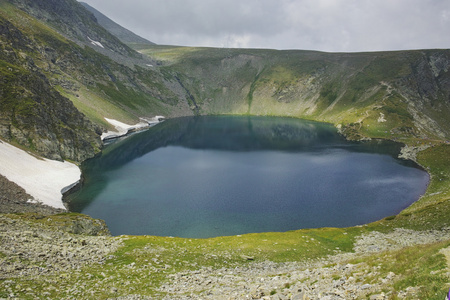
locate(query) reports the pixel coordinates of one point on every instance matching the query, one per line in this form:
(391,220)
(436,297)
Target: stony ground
(35,250)
(28,250)
(331,278)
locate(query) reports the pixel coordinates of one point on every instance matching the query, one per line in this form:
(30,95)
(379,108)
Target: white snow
(95,43)
(122,128)
(154,120)
(43,179)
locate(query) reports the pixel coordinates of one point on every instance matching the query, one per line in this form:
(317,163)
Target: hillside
(78,77)
(123,34)
(62,74)
(395,95)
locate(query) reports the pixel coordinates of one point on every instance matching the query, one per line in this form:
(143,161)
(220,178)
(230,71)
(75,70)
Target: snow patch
(95,43)
(123,129)
(43,179)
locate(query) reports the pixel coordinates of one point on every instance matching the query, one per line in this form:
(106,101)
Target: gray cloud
(326,25)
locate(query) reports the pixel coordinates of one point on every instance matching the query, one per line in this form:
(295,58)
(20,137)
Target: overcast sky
(325,25)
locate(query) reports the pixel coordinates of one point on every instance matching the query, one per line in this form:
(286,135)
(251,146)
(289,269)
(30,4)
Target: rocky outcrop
(14,199)
(35,116)
(410,152)
(32,113)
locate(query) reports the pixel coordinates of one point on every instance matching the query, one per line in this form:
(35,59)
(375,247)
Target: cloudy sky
(325,25)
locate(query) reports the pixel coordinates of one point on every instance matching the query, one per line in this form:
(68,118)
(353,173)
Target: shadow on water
(238,134)
(235,133)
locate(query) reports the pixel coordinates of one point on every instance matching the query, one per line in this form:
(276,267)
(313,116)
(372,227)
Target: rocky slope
(41,70)
(32,113)
(123,34)
(392,95)
(74,22)
(68,256)
(331,278)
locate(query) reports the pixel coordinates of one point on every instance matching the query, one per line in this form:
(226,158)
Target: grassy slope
(266,82)
(353,90)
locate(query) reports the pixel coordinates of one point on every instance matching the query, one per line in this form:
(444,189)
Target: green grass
(436,161)
(166,54)
(419,266)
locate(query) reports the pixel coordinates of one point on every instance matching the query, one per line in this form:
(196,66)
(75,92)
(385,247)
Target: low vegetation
(401,96)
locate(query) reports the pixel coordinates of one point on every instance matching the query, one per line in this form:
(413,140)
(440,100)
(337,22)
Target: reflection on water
(226,175)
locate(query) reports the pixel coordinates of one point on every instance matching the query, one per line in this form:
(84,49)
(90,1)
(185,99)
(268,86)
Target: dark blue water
(211,176)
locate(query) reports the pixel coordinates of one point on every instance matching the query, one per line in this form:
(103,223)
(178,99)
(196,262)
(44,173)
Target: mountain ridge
(124,35)
(410,88)
(74,22)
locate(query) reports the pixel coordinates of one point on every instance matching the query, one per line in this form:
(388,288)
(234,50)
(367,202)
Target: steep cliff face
(32,113)
(427,90)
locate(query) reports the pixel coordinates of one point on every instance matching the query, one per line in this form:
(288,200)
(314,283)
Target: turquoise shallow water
(208,176)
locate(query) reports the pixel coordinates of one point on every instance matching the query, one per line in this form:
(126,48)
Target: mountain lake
(200,177)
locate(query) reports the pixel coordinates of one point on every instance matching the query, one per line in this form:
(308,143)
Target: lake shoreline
(123,129)
(79,183)
(301,130)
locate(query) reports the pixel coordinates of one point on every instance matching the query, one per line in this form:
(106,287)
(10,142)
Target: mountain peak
(123,34)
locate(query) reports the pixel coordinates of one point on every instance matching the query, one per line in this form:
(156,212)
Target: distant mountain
(123,34)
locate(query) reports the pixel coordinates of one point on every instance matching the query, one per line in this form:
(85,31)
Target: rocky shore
(410,152)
